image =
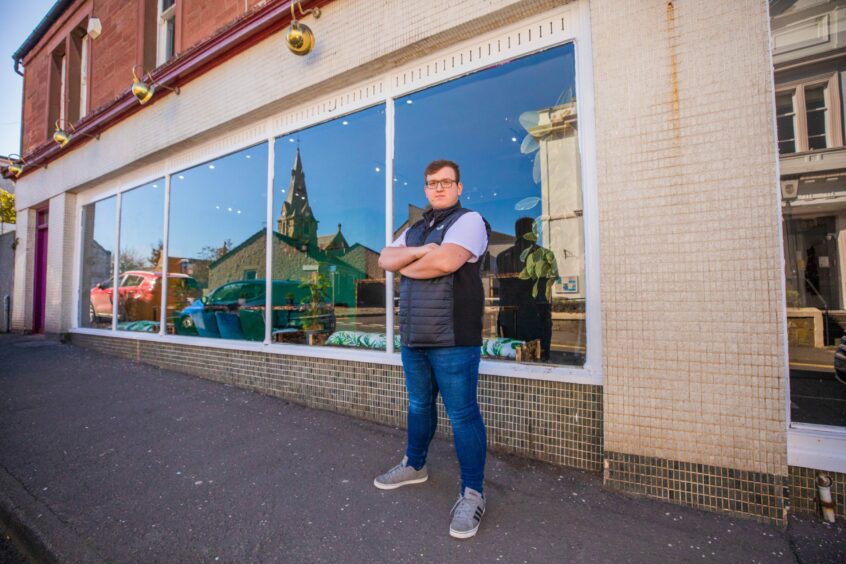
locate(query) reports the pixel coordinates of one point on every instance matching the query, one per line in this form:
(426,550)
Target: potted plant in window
(540,264)
(315,307)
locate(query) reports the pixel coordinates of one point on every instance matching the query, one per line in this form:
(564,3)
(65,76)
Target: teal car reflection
(236,311)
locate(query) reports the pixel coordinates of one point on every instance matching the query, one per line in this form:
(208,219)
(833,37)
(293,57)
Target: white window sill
(819,447)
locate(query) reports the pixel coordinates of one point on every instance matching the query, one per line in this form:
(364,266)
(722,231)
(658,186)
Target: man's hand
(393,259)
(426,249)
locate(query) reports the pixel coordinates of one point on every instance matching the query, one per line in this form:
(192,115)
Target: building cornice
(792,64)
(241,34)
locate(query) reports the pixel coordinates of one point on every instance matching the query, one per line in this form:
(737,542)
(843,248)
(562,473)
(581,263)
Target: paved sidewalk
(106,459)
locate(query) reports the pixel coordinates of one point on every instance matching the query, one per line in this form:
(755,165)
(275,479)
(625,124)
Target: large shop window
(217,236)
(98,246)
(329,218)
(513,131)
(140,258)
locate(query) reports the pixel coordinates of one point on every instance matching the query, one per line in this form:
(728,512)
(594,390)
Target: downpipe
(824,497)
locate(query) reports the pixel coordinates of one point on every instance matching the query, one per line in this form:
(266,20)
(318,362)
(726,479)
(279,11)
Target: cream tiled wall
(60,254)
(693,313)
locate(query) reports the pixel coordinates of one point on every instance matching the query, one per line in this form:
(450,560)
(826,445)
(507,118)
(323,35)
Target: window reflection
(98,240)
(216,245)
(140,258)
(518,152)
(329,227)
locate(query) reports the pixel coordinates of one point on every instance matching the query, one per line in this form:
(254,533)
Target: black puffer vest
(445,311)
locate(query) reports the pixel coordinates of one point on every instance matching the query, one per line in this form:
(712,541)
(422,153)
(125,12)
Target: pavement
(104,459)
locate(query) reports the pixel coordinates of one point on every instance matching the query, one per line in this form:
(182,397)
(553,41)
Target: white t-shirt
(468,231)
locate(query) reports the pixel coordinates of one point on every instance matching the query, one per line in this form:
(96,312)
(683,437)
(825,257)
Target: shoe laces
(463,510)
(397,469)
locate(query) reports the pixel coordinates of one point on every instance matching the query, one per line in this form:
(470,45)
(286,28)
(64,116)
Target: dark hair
(435,166)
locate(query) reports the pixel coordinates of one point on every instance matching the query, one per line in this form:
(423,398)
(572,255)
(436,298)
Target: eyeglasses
(446,184)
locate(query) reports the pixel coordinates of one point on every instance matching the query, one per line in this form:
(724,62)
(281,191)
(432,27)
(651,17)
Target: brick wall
(692,286)
(201,18)
(113,53)
(35,100)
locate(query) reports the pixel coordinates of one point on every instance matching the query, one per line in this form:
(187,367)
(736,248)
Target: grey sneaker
(467,514)
(401,475)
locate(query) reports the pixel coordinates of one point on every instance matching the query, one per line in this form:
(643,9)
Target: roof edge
(53,15)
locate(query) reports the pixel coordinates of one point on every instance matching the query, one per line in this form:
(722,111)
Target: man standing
(441,307)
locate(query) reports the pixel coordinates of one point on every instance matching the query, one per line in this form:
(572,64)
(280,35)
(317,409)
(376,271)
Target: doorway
(40,274)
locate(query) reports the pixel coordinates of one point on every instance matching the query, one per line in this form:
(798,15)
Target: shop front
(234,233)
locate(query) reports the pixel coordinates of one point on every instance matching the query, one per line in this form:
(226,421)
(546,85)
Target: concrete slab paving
(106,459)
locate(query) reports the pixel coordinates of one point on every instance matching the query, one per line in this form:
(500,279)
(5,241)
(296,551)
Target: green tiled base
(752,494)
(555,422)
(803,491)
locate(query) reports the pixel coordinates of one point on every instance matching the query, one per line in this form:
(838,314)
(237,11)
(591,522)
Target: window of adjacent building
(786,119)
(166,31)
(57,109)
(140,258)
(513,131)
(808,116)
(68,84)
(76,76)
(98,246)
(83,75)
(329,226)
(63,88)
(218,214)
(815,111)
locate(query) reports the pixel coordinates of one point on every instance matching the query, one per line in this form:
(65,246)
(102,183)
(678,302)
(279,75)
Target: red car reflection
(140,296)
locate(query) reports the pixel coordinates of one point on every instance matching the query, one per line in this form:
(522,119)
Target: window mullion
(268,264)
(801,113)
(389,219)
(116,265)
(165,260)
(833,105)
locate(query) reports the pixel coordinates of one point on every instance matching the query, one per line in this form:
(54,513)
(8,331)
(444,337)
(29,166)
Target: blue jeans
(454,372)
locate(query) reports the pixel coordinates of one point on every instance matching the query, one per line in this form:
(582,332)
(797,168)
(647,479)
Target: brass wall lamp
(17,164)
(63,136)
(300,38)
(145,90)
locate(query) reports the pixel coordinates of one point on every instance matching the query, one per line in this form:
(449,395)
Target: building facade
(637,303)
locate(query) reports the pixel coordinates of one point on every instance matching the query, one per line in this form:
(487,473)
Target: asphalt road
(106,459)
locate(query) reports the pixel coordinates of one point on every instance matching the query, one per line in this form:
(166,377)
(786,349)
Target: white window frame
(63,90)
(566,24)
(85,50)
(163,18)
(833,130)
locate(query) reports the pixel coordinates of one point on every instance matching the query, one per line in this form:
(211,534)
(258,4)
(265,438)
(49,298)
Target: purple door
(40,287)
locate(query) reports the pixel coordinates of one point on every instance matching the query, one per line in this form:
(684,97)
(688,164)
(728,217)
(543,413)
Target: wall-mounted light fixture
(63,136)
(95,28)
(144,90)
(300,38)
(17,165)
